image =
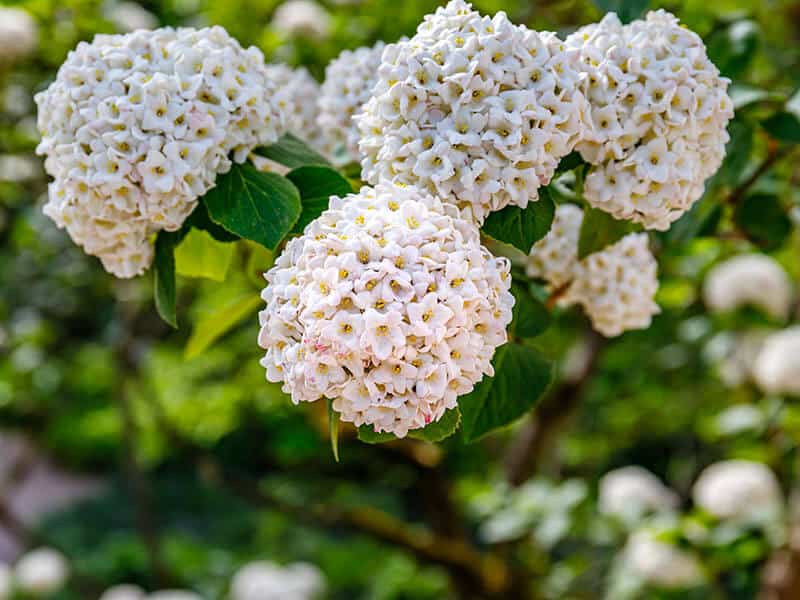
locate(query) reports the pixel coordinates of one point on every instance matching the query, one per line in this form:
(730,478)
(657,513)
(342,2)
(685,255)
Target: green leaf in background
(164,276)
(439,430)
(333,429)
(737,152)
(522,375)
(569,162)
(291,152)
(200,255)
(627,10)
(763,220)
(217,323)
(262,207)
(701,220)
(522,227)
(316,185)
(367,434)
(599,229)
(783,126)
(199,219)
(733,48)
(259,260)
(531,317)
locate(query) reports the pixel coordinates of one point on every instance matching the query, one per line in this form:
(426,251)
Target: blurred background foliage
(235,472)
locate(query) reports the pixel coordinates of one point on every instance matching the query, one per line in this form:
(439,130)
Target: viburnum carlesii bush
(777,367)
(656,128)
(615,286)
(296,97)
(749,279)
(19,34)
(136,127)
(349,79)
(739,490)
(474,109)
(630,493)
(387,304)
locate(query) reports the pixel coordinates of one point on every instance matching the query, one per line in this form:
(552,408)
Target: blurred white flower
(19,34)
(739,490)
(264,580)
(17,101)
(174,595)
(659,563)
(16,167)
(656,129)
(41,571)
(124,592)
(473,109)
(296,97)
(631,493)
(739,419)
(389,305)
(734,354)
(136,127)
(129,16)
(302,17)
(777,368)
(749,279)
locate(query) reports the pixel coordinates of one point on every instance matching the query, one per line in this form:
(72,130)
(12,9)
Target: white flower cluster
(38,573)
(387,304)
(302,17)
(749,279)
(134,592)
(659,563)
(263,580)
(136,127)
(349,79)
(739,490)
(19,34)
(777,367)
(476,110)
(656,128)
(630,493)
(616,286)
(296,97)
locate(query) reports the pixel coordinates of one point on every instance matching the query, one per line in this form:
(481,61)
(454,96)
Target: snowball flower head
(296,97)
(41,571)
(615,286)
(302,17)
(632,492)
(739,490)
(659,563)
(19,34)
(387,304)
(777,368)
(474,109)
(136,127)
(263,580)
(349,79)
(656,129)
(749,279)
(130,16)
(124,592)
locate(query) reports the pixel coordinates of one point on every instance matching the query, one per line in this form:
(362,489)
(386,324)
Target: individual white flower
(136,127)
(474,109)
(657,125)
(659,563)
(387,304)
(41,571)
(296,96)
(6,581)
(349,79)
(262,580)
(749,279)
(777,368)
(19,34)
(739,490)
(124,592)
(302,17)
(129,16)
(630,493)
(615,286)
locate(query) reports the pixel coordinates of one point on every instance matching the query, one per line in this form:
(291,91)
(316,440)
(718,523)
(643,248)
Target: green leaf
(199,219)
(569,162)
(599,229)
(291,152)
(531,317)
(784,126)
(316,185)
(743,95)
(733,48)
(164,276)
(259,260)
(333,429)
(367,434)
(737,152)
(217,323)
(762,218)
(438,430)
(262,207)
(627,10)
(522,227)
(200,255)
(522,376)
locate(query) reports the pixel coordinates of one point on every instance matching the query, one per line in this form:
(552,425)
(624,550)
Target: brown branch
(548,418)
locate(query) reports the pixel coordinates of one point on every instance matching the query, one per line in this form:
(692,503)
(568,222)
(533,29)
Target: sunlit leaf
(200,255)
(217,323)
(291,152)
